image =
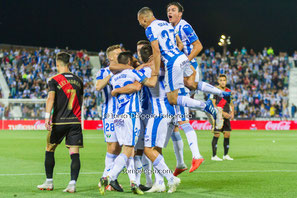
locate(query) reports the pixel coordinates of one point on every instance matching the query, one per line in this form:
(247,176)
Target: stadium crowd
(259,81)
(28,70)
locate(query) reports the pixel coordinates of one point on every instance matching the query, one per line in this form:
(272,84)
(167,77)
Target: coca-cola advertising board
(197,125)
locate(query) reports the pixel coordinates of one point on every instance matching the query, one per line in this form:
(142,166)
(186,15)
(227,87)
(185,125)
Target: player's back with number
(164,33)
(68,90)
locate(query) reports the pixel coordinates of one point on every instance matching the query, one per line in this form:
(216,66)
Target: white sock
(49,180)
(147,169)
(131,170)
(186,101)
(119,164)
(109,162)
(72,182)
(208,88)
(178,146)
(192,140)
(138,168)
(163,169)
(159,179)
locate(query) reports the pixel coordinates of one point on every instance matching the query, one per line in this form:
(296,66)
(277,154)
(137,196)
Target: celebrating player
(65,96)
(192,47)
(109,110)
(127,123)
(228,114)
(177,66)
(159,126)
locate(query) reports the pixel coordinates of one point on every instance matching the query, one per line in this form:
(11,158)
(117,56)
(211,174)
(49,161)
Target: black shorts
(73,133)
(226,127)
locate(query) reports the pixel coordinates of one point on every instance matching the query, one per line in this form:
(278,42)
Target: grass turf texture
(261,167)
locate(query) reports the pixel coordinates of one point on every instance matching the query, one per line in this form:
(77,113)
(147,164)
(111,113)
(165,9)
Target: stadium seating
(259,82)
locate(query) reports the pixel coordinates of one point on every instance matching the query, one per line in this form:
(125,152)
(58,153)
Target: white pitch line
(95,173)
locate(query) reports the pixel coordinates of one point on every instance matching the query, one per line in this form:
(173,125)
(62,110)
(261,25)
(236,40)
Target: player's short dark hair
(146,52)
(143,42)
(178,5)
(145,11)
(223,76)
(125,57)
(64,57)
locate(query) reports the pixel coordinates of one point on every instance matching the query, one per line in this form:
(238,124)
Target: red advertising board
(197,125)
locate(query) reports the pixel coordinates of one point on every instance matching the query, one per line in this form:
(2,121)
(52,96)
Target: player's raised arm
(156,57)
(116,67)
(179,42)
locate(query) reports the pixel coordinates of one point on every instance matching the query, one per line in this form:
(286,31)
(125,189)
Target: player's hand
(226,115)
(48,124)
(231,115)
(114,93)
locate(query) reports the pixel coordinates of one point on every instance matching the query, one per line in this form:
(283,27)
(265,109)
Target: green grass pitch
(265,165)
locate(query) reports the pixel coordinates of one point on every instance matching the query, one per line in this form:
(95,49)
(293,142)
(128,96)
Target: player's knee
(51,147)
(113,148)
(73,150)
(148,151)
(158,149)
(217,135)
(227,135)
(190,84)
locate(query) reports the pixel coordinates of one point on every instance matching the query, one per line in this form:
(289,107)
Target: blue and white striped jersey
(164,33)
(109,104)
(187,35)
(157,96)
(127,103)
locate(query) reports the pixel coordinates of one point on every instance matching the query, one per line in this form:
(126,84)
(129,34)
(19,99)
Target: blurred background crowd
(258,80)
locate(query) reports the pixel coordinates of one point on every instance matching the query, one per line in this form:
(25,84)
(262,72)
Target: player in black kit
(65,98)
(228,113)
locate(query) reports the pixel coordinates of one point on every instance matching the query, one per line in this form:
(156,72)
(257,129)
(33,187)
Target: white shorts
(109,130)
(127,129)
(158,132)
(140,143)
(175,71)
(182,113)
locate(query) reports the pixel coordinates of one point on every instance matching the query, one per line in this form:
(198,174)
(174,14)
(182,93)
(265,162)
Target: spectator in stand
(259,80)
(293,111)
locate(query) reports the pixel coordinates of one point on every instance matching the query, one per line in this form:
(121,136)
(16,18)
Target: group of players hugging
(147,101)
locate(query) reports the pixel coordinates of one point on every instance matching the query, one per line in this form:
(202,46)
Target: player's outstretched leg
(49,164)
(162,168)
(214,114)
(178,146)
(209,89)
(197,159)
(132,176)
(226,146)
(159,185)
(147,168)
(75,167)
(214,145)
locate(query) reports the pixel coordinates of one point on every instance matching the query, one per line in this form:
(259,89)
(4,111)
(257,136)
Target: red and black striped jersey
(68,90)
(224,103)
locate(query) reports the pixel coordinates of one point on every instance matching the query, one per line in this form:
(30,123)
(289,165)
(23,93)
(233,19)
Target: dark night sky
(96,24)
